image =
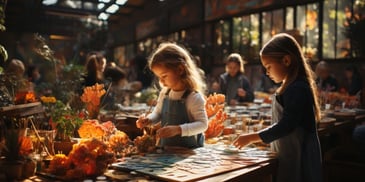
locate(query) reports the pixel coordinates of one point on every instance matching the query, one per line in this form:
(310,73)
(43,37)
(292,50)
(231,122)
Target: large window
(307,24)
(289,18)
(272,23)
(343,28)
(329,26)
(246,36)
(221,44)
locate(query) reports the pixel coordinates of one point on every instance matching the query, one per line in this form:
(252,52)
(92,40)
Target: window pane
(301,23)
(328,35)
(357,28)
(289,18)
(255,36)
(311,45)
(277,21)
(246,36)
(343,47)
(221,41)
(241,35)
(266,27)
(307,24)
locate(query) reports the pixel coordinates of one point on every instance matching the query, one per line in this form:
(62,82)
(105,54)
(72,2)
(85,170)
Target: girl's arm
(195,104)
(298,111)
(246,139)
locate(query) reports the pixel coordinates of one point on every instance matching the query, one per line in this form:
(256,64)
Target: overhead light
(49,2)
(103,16)
(104,1)
(120,2)
(112,9)
(59,37)
(101,5)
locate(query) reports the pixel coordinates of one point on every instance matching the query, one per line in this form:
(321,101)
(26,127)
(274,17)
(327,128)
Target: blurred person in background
(353,80)
(118,80)
(139,72)
(233,83)
(325,80)
(34,75)
(15,70)
(95,66)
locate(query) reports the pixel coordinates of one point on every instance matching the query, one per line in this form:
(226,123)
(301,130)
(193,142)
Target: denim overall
(174,112)
(298,153)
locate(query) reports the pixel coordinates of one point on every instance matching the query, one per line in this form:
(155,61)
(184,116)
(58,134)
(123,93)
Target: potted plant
(65,121)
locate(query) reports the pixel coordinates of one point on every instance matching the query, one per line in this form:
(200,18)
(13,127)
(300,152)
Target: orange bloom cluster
(215,107)
(25,97)
(45,99)
(214,103)
(90,157)
(26,146)
(91,97)
(216,125)
(91,128)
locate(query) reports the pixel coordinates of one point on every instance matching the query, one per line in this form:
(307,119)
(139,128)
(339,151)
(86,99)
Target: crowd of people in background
(233,82)
(38,70)
(122,83)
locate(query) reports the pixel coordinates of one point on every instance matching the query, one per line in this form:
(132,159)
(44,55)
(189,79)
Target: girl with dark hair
(95,65)
(295,110)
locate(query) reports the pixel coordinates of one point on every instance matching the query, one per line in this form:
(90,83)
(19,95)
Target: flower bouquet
(91,97)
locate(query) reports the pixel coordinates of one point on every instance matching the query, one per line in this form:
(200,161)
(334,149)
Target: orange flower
(91,97)
(26,145)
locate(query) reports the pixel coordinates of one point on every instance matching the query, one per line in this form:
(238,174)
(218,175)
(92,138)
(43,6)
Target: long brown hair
(282,45)
(173,56)
(93,61)
(236,58)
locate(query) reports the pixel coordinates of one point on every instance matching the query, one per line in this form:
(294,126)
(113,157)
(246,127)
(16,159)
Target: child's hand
(241,92)
(168,131)
(246,139)
(143,121)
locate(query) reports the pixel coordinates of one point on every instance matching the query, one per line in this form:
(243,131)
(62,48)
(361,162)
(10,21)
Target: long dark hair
(282,45)
(93,75)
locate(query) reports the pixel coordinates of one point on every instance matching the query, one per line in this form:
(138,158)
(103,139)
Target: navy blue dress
(293,135)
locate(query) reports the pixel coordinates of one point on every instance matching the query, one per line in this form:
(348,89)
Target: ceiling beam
(70,10)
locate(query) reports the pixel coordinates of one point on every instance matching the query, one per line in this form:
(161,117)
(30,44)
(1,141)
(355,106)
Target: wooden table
(340,132)
(209,163)
(264,172)
(257,169)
